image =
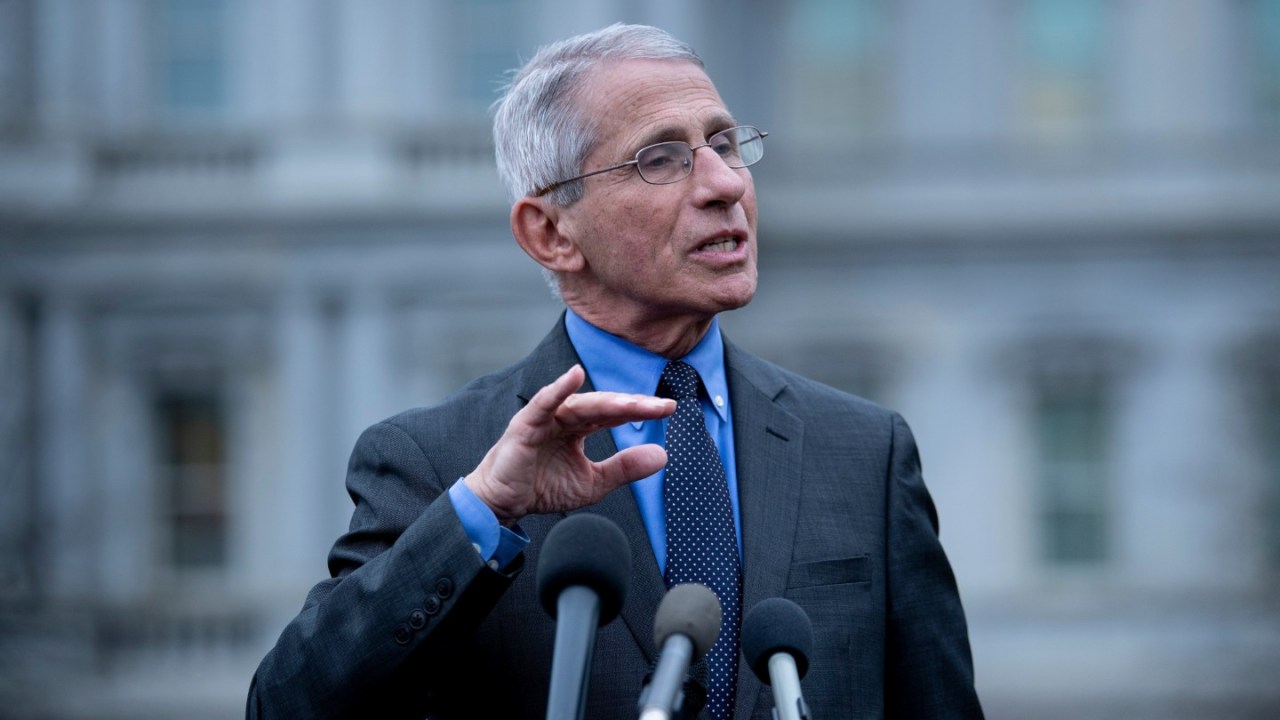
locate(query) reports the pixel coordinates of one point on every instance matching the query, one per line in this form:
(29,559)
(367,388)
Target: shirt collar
(617,365)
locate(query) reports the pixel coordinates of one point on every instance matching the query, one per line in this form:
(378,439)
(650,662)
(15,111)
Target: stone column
(365,382)
(297,513)
(65,516)
(126,552)
(16,482)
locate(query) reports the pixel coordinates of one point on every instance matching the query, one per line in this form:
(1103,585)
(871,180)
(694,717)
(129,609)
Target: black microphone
(583,573)
(684,628)
(777,638)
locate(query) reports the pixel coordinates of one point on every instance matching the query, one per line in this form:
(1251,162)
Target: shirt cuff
(497,545)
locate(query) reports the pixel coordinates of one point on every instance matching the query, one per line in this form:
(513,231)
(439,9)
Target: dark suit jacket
(835,517)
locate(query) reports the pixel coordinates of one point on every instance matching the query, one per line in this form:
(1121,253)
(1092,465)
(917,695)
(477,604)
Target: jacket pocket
(837,571)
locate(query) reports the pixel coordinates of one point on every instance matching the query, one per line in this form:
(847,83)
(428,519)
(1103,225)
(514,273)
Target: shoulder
(790,387)
(490,396)
(497,395)
(807,398)
(480,410)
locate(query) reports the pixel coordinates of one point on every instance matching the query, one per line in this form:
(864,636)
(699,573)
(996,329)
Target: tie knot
(680,380)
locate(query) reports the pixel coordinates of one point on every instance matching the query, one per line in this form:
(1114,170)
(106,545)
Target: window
(16,68)
(191,56)
(1271,429)
(488,34)
(1267,62)
(836,67)
(193,478)
(1071,424)
(1256,367)
(1062,66)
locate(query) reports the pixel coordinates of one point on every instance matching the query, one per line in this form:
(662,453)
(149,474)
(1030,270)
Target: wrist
(478,487)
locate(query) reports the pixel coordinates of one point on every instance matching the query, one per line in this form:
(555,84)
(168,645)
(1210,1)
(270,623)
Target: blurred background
(233,233)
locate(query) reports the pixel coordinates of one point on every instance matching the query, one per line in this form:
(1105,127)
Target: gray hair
(540,133)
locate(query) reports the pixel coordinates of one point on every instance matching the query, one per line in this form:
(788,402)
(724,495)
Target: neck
(670,337)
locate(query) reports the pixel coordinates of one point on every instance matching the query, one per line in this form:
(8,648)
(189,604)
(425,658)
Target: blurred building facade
(233,233)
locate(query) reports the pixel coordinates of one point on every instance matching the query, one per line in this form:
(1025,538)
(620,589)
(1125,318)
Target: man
(631,190)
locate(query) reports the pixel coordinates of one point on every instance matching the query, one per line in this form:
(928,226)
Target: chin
(734,301)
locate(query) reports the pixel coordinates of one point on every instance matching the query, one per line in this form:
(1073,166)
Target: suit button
(431,605)
(444,588)
(417,619)
(404,634)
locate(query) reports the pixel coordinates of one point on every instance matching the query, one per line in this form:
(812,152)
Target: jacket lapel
(647,588)
(768,442)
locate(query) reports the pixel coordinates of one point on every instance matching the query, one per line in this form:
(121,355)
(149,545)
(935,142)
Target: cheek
(635,229)
(642,232)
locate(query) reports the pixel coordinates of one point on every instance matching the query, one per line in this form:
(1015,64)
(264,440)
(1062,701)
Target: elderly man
(631,190)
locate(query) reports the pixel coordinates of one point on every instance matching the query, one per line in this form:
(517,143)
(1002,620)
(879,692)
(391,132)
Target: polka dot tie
(702,546)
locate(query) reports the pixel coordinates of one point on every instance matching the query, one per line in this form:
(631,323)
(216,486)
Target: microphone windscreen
(688,609)
(587,550)
(776,625)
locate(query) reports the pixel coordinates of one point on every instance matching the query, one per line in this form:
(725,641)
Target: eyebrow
(668,133)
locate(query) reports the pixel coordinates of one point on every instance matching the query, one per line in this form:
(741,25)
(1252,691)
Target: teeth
(722,246)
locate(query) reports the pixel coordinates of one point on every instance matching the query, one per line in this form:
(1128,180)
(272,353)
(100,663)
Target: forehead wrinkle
(654,109)
(667,133)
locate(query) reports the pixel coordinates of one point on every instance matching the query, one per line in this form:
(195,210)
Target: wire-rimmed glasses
(668,162)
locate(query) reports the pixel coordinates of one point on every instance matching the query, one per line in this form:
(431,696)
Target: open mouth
(727,244)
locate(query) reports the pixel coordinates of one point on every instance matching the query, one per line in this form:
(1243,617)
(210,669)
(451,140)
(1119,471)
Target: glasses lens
(739,146)
(670,162)
(665,162)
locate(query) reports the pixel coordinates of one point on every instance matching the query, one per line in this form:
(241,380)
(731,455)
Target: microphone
(583,573)
(776,640)
(692,697)
(684,628)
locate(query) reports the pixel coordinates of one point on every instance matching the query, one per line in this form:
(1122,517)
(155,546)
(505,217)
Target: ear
(537,225)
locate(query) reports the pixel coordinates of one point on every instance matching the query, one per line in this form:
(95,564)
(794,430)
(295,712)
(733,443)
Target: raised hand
(538,465)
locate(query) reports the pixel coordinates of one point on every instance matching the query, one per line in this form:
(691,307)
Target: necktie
(702,546)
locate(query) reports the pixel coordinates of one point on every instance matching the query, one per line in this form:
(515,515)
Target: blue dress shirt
(616,365)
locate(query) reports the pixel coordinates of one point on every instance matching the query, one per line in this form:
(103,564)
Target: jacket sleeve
(407,590)
(928,664)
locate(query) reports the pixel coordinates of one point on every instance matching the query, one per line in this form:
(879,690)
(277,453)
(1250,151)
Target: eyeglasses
(669,162)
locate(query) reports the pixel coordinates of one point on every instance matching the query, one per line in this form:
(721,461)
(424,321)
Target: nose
(715,181)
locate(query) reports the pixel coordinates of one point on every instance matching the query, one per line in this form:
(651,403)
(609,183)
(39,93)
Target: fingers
(582,414)
(635,463)
(542,407)
(538,464)
(589,412)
